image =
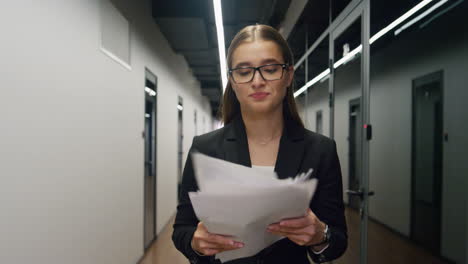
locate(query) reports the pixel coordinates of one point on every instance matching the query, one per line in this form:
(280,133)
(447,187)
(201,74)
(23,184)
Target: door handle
(359,193)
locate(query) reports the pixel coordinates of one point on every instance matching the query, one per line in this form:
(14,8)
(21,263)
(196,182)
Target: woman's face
(260,96)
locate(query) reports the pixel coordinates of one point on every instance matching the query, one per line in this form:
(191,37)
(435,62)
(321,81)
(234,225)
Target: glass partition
(315,68)
(347,124)
(419,62)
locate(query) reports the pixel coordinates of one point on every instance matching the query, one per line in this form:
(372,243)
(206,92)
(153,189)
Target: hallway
(101,102)
(163,250)
(385,247)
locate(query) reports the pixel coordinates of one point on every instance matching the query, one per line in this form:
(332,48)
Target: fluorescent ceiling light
(312,82)
(359,48)
(180,107)
(421,16)
(440,13)
(221,46)
(325,78)
(325,74)
(150,91)
(399,20)
(348,57)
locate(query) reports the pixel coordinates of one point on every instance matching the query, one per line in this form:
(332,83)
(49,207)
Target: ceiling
(190,28)
(315,19)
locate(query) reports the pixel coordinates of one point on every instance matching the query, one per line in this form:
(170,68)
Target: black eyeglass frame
(284,66)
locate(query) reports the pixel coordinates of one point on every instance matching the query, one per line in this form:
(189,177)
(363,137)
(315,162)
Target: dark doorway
(150,159)
(195,122)
(354,141)
(319,122)
(426,191)
(180,140)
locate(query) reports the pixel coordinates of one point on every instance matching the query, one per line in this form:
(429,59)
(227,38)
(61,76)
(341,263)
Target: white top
(267,168)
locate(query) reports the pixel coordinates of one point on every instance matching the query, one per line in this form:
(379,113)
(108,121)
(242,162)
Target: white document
(241,202)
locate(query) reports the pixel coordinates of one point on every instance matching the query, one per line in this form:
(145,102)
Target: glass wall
(419,131)
(418,87)
(317,113)
(347,123)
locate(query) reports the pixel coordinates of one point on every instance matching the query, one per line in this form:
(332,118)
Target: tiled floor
(384,247)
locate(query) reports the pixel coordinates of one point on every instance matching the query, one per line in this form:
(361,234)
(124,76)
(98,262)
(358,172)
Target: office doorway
(319,122)
(427,137)
(354,141)
(349,52)
(195,122)
(180,140)
(150,181)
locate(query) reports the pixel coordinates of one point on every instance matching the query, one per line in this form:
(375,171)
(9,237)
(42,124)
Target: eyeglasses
(269,72)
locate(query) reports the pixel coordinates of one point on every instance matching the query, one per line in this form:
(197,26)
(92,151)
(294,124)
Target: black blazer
(299,151)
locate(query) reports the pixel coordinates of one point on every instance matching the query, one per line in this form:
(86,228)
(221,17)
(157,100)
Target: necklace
(265,142)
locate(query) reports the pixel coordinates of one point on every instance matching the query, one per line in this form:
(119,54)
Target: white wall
(391,102)
(347,83)
(317,102)
(203,110)
(392,72)
(71,151)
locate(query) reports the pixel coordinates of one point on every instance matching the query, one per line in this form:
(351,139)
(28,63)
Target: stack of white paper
(241,202)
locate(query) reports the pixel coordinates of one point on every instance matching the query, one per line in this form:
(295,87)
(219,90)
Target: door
(319,122)
(150,160)
(180,140)
(427,161)
(349,79)
(354,141)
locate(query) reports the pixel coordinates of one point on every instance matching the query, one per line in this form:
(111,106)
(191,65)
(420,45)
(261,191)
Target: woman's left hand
(304,231)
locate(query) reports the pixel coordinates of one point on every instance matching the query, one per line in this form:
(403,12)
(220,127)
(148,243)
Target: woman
(262,128)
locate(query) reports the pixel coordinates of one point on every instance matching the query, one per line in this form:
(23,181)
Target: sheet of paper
(241,202)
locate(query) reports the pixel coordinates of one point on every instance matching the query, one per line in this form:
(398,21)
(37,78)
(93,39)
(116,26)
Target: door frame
(149,73)
(355,10)
(437,76)
(180,143)
(352,103)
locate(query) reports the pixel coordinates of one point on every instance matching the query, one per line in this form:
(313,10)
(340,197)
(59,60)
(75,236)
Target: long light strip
(359,48)
(221,46)
(421,16)
(348,57)
(150,91)
(312,82)
(399,20)
(445,10)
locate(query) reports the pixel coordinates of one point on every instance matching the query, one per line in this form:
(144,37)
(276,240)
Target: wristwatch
(326,238)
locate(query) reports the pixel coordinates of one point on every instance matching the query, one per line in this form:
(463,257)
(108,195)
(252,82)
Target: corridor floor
(385,247)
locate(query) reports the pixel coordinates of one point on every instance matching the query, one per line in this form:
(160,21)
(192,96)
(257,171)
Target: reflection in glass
(418,165)
(416,71)
(347,128)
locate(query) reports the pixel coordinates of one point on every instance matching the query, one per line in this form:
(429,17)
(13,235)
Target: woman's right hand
(205,243)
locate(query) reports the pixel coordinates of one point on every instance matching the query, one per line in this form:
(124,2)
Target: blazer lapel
(291,150)
(236,148)
(290,153)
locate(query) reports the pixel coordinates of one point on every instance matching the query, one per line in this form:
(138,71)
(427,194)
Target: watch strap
(326,239)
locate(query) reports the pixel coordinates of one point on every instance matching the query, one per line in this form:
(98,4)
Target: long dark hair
(230,106)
